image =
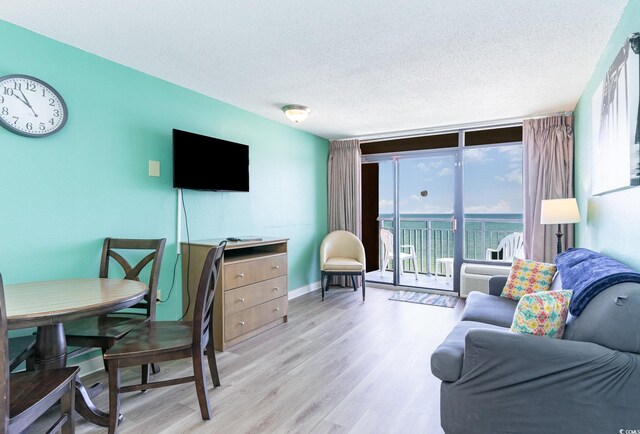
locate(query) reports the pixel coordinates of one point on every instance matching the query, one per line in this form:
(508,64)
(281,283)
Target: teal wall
(610,222)
(62,194)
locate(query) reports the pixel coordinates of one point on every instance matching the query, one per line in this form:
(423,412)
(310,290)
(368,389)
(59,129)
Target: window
(492,199)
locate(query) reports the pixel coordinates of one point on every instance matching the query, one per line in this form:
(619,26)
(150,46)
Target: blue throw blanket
(589,273)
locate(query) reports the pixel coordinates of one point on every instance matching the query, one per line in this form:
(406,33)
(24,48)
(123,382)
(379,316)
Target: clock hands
(20,99)
(25,101)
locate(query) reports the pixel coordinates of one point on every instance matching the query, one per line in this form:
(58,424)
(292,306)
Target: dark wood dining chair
(104,331)
(21,349)
(25,396)
(161,341)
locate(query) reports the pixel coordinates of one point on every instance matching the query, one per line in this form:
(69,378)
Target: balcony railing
(433,238)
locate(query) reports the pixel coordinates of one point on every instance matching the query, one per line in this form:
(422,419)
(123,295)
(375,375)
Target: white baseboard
(304,290)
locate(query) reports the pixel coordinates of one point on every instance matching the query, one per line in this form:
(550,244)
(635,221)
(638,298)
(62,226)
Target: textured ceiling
(363,67)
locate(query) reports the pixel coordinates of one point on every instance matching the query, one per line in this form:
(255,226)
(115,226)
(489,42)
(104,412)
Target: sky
(492,182)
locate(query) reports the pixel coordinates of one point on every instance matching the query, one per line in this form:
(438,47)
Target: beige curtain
(345,192)
(548,174)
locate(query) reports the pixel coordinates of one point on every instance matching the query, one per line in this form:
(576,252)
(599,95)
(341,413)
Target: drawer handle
(241,323)
(277,309)
(277,288)
(275,267)
(241,300)
(241,275)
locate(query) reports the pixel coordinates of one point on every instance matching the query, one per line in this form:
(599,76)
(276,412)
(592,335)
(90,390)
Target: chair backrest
(112,249)
(202,313)
(341,244)
(4,363)
(512,246)
(387,241)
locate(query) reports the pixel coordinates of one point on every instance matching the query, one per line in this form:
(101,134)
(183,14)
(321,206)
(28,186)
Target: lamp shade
(559,211)
(296,113)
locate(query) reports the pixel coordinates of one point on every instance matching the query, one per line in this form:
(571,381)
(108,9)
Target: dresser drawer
(248,296)
(250,271)
(246,320)
(274,309)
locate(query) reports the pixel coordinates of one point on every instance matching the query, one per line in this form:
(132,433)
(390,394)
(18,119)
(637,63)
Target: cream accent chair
(387,243)
(342,254)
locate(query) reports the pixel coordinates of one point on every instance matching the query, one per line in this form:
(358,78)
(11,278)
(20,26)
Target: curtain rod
(407,134)
(548,115)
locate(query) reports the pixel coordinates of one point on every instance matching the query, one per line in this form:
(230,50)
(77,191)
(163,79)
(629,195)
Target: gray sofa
(496,381)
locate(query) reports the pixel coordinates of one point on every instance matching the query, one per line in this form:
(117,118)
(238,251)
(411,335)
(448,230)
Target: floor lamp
(560,212)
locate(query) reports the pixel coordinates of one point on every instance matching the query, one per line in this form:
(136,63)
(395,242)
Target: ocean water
(432,237)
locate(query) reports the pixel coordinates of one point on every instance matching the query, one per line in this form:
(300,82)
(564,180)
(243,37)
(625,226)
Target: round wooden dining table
(47,305)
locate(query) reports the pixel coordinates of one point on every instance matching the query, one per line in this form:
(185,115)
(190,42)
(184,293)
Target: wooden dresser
(251,295)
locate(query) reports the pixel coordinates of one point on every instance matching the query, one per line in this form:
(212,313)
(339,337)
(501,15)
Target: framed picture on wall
(616,126)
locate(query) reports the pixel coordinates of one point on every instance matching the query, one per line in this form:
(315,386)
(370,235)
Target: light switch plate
(154,168)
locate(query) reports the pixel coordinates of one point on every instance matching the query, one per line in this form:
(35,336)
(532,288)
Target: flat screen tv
(207,163)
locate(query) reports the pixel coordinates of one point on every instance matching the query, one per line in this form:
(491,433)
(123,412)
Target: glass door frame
(458,206)
(458,251)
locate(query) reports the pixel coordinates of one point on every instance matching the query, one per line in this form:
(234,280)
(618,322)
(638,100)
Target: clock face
(30,107)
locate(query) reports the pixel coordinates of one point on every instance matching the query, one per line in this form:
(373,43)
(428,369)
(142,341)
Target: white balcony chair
(512,246)
(387,243)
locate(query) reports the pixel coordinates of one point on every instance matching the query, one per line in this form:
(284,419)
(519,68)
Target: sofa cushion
(489,309)
(342,264)
(446,360)
(542,314)
(527,277)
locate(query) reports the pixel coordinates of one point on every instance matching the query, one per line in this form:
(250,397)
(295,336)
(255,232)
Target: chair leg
(322,280)
(114,396)
(201,384)
(353,280)
(213,365)
(385,262)
(363,284)
(155,368)
(31,361)
(104,362)
(145,375)
(415,267)
(67,404)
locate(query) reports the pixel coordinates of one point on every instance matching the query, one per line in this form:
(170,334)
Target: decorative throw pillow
(527,277)
(542,314)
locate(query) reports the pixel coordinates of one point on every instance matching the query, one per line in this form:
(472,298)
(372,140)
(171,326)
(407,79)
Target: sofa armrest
(496,284)
(447,359)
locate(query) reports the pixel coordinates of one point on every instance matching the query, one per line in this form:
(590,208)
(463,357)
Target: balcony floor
(408,279)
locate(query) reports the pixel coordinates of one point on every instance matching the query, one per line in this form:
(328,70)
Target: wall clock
(30,107)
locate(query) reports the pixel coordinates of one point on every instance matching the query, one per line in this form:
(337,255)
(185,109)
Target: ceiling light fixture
(296,113)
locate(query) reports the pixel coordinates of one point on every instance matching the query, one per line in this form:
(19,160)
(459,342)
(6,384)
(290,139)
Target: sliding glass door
(417,224)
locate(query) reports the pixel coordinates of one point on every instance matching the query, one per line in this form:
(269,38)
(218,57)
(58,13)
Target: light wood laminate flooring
(338,366)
